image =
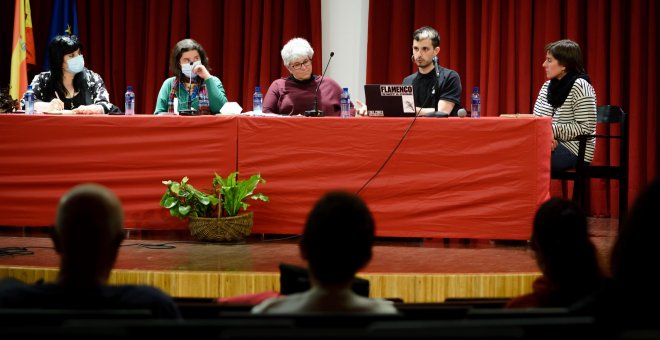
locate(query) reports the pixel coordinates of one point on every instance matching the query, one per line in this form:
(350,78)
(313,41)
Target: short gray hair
(296,48)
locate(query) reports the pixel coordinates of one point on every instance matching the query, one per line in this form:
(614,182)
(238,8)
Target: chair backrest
(608,114)
(18,317)
(611,115)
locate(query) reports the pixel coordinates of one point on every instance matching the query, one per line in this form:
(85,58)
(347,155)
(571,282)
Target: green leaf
(184,210)
(175,187)
(260,197)
(170,202)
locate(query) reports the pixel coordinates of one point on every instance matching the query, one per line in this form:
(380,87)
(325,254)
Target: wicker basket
(222,229)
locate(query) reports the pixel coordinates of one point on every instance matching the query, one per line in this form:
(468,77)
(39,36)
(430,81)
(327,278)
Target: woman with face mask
(69,85)
(192,79)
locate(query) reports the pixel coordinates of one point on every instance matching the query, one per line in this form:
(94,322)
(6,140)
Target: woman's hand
(555,143)
(360,108)
(89,109)
(55,105)
(201,71)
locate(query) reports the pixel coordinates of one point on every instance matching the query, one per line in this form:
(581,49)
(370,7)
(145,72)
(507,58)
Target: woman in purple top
(294,94)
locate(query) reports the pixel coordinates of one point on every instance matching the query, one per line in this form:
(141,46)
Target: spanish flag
(23,48)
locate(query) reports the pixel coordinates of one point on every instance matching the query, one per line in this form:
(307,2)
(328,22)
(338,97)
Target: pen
(58,97)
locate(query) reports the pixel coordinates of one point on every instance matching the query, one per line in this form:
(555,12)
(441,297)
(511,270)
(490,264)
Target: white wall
(344,28)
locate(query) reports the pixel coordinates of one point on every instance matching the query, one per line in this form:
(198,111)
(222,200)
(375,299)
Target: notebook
(389,100)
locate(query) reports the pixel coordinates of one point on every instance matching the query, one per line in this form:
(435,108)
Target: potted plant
(214,214)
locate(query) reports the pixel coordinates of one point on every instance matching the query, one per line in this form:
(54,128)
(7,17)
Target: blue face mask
(75,64)
(186,69)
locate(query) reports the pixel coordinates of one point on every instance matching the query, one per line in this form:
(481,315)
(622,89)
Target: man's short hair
(89,219)
(427,32)
(338,237)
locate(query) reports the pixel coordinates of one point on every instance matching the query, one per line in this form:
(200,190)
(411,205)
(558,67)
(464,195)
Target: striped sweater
(577,116)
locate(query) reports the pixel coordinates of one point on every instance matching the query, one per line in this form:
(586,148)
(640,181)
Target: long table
(455,178)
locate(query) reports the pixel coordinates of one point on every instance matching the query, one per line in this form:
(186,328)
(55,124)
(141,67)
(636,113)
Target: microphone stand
(436,113)
(315,111)
(190,111)
(437,74)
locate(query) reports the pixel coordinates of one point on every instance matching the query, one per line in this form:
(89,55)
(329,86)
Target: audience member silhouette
(631,301)
(87,235)
(565,255)
(337,242)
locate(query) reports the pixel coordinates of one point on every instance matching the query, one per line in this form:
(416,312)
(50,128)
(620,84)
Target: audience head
(338,237)
(88,232)
(427,32)
(567,53)
(297,56)
(560,240)
(184,52)
(634,254)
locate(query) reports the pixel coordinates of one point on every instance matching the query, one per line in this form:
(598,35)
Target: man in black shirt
(445,96)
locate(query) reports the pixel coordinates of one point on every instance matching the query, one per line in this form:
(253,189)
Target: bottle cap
(257,89)
(130,88)
(475,89)
(345,89)
(30,87)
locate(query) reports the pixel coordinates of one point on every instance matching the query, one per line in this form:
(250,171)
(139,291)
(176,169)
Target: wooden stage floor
(415,270)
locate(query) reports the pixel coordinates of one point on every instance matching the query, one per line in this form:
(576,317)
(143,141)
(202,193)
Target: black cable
(405,133)
(166,245)
(12,251)
(281,239)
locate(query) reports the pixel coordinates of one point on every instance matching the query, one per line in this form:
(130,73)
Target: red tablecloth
(467,178)
(42,157)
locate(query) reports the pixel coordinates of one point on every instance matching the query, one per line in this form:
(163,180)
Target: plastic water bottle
(129,101)
(345,102)
(476,103)
(28,99)
(257,100)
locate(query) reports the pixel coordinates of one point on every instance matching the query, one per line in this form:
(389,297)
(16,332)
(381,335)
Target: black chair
(606,115)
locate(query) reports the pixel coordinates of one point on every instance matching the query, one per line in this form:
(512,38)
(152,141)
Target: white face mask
(186,69)
(75,64)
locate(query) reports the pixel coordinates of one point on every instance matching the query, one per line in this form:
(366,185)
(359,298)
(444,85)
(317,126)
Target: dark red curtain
(129,42)
(498,46)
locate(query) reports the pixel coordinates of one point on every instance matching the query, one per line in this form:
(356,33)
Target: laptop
(389,100)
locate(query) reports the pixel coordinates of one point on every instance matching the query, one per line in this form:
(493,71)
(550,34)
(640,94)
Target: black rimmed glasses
(298,66)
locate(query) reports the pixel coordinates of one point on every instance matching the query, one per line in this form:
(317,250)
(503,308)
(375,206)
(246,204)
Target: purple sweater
(290,97)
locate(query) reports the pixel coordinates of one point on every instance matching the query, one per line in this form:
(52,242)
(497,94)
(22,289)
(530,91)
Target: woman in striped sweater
(570,100)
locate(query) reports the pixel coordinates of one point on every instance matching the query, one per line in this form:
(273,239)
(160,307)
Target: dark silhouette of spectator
(87,235)
(336,243)
(565,255)
(633,298)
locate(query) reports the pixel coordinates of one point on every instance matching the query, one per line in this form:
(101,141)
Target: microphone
(437,74)
(437,67)
(190,111)
(315,111)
